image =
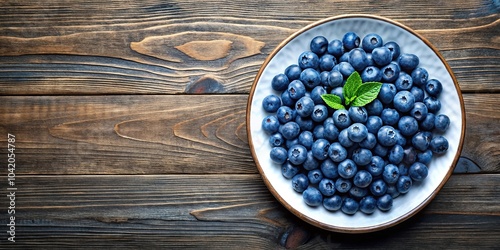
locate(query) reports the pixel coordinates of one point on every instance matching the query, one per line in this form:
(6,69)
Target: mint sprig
(355,93)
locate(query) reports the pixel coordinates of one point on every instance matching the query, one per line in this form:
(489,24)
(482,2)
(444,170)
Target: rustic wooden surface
(130,124)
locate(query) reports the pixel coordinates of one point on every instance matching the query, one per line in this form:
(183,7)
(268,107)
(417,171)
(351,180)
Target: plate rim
(389,223)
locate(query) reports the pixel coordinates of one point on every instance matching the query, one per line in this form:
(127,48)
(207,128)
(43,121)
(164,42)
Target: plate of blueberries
(355,123)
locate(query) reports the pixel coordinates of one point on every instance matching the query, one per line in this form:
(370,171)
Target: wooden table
(130,130)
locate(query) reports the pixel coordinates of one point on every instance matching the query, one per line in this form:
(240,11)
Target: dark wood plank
(171,134)
(125,48)
(195,210)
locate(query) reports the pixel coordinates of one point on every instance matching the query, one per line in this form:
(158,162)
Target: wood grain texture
(86,47)
(193,210)
(170,134)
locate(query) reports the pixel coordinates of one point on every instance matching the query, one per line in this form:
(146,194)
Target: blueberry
(293,72)
(387,93)
(285,114)
(310,163)
(286,99)
(362,156)
(277,140)
(410,155)
(418,92)
(376,166)
(369,59)
(358,192)
(326,62)
(433,104)
(404,184)
(323,78)
(288,170)
(337,152)
(319,45)
(425,157)
(441,123)
(290,142)
(278,154)
(335,78)
(350,206)
(343,185)
(392,191)
(333,203)
(271,103)
(419,111)
(304,107)
(418,171)
(347,168)
(338,92)
(439,145)
(419,76)
(358,114)
(371,74)
(400,139)
(371,41)
(336,48)
(408,126)
(380,150)
(387,136)
(345,57)
(319,132)
(403,82)
(320,149)
(312,196)
(378,187)
(300,182)
(341,118)
(368,205)
(357,58)
(428,123)
(308,59)
(433,87)
(373,124)
(390,174)
(389,116)
(362,179)
(384,203)
(404,169)
(345,69)
(394,48)
(357,132)
(315,176)
(306,139)
(296,89)
(329,169)
(316,93)
(390,72)
(327,187)
(351,40)
(381,56)
(270,124)
(396,154)
(310,78)
(297,154)
(369,142)
(408,62)
(290,130)
(280,82)
(404,101)
(421,141)
(320,113)
(331,132)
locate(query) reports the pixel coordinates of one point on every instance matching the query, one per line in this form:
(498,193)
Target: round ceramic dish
(440,168)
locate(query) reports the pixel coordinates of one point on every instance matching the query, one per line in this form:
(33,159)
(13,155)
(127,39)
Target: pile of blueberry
(362,157)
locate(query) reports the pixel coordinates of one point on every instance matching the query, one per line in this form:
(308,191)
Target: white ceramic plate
(440,168)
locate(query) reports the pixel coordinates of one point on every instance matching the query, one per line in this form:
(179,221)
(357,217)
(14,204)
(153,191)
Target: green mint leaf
(351,86)
(333,101)
(366,93)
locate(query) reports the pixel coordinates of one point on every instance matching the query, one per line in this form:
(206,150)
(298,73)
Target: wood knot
(205,84)
(206,50)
